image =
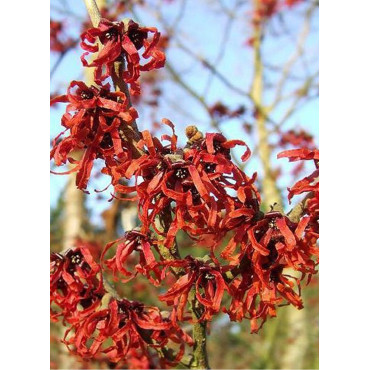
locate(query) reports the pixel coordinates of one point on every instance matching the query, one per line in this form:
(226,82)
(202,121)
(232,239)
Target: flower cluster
(265,9)
(94,119)
(122,40)
(59,43)
(76,288)
(273,244)
(297,138)
(134,241)
(122,327)
(309,185)
(205,277)
(221,111)
(208,192)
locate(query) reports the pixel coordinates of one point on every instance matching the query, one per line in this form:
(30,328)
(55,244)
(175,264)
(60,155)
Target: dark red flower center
(107,142)
(76,258)
(181,173)
(272,224)
(219,149)
(275,274)
(272,257)
(111,34)
(61,284)
(217,146)
(195,194)
(137,37)
(210,167)
(209,276)
(86,95)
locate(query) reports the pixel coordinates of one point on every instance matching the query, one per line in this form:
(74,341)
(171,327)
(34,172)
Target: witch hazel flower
(133,242)
(296,138)
(122,41)
(95,118)
(118,329)
(59,42)
(271,245)
(309,185)
(123,326)
(197,180)
(254,301)
(76,285)
(277,240)
(207,279)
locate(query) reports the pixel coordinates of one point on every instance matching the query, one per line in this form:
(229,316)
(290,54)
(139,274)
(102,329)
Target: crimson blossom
(297,138)
(123,326)
(134,241)
(199,183)
(95,118)
(75,285)
(309,185)
(59,43)
(265,9)
(119,40)
(136,359)
(269,247)
(209,283)
(103,325)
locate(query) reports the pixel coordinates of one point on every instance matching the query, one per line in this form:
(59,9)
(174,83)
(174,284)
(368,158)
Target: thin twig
(298,53)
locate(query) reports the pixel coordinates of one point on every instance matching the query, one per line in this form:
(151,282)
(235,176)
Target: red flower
(94,117)
(58,42)
(208,281)
(310,185)
(296,138)
(119,39)
(267,248)
(134,241)
(253,300)
(300,154)
(74,283)
(291,3)
(122,331)
(124,326)
(221,111)
(136,359)
(200,181)
(264,9)
(276,239)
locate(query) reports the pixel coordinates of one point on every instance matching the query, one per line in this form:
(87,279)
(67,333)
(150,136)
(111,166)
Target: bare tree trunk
(74,211)
(294,355)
